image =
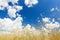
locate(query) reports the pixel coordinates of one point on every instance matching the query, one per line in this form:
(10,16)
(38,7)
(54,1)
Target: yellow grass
(30,36)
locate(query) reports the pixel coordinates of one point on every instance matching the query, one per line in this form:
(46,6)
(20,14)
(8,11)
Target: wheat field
(31,36)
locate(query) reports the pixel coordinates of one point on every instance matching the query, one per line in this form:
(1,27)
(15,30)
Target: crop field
(31,36)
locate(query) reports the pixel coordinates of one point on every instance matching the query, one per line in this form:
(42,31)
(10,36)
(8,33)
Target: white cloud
(52,24)
(4,3)
(1,8)
(46,19)
(18,8)
(28,26)
(10,26)
(11,9)
(12,12)
(30,3)
(7,24)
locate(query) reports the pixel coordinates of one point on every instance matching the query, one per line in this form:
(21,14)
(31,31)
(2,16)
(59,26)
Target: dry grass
(31,36)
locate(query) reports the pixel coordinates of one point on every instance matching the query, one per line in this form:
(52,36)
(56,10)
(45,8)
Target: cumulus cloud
(51,24)
(11,9)
(7,24)
(12,12)
(30,3)
(4,3)
(10,26)
(46,19)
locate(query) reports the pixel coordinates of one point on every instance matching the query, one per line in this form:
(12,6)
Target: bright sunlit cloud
(30,3)
(9,25)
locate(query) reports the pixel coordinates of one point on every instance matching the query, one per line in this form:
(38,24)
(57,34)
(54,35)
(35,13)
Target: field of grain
(31,36)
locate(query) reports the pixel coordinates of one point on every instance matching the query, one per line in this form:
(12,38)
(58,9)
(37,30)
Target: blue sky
(37,12)
(32,14)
